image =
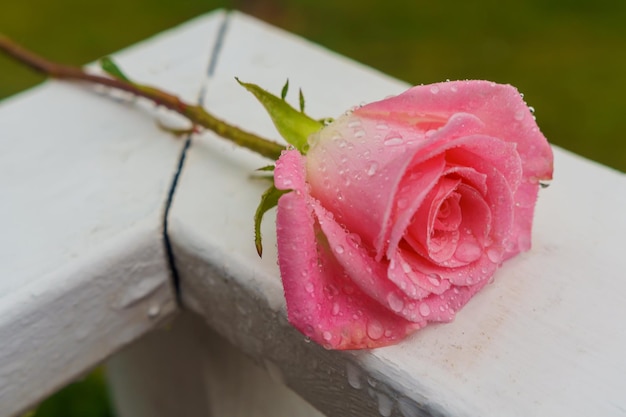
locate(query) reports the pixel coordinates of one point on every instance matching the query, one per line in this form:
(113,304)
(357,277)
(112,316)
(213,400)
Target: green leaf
(294,126)
(107,64)
(269,200)
(283,92)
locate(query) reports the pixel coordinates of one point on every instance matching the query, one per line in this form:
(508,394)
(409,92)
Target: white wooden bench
(85,182)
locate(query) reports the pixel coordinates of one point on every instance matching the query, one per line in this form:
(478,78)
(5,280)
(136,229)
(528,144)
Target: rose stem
(194,113)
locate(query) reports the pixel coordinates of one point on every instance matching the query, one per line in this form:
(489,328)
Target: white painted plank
(84,180)
(543,340)
(189,370)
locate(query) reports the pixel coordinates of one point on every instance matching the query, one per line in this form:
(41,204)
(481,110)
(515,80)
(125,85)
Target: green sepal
(266,168)
(269,200)
(294,126)
(111,68)
(283,92)
(301,99)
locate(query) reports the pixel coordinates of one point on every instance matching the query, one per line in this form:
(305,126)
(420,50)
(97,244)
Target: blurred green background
(567,56)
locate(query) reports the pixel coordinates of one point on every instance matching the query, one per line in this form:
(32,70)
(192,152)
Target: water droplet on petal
(395,302)
(424,310)
(335,310)
(519,115)
(454,89)
(327,336)
(532,109)
(434,89)
(393,140)
(468,252)
(354,238)
(375,329)
(434,279)
(494,255)
(309,287)
(382,126)
(371,169)
(339,249)
(359,133)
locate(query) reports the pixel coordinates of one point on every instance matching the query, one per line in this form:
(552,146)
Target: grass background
(567,56)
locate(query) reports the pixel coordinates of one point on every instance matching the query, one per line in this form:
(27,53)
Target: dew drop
(519,115)
(382,126)
(342,143)
(154,311)
(375,329)
(339,249)
(395,302)
(532,109)
(424,310)
(372,168)
(359,133)
(309,287)
(467,252)
(354,123)
(339,196)
(393,140)
(544,184)
(406,268)
(434,279)
(354,376)
(494,255)
(355,239)
(313,139)
(335,310)
(454,89)
(385,404)
(327,336)
(434,89)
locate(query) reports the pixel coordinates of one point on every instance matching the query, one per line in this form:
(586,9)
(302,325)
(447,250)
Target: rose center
(449,214)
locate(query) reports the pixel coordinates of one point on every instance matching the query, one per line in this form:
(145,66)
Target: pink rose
(403,209)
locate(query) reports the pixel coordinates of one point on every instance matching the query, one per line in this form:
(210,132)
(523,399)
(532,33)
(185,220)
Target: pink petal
(322,302)
(355,175)
(412,192)
(500,107)
(439,246)
(364,271)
